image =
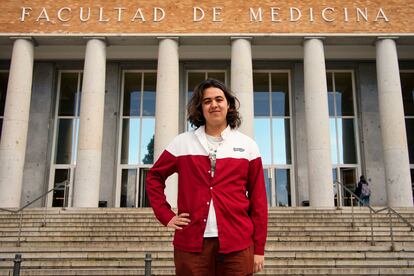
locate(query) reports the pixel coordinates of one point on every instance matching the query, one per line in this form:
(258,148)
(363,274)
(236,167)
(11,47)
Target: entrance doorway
(348,177)
(62,196)
(278,183)
(133,192)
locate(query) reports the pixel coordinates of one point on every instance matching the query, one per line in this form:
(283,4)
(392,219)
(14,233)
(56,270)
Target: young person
(221,225)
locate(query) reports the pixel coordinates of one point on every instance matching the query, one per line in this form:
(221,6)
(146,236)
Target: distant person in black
(363,191)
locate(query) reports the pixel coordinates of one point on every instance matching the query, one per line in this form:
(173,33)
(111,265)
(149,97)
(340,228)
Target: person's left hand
(258,263)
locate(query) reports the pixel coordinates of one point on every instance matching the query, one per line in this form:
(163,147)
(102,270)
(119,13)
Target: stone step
(138,255)
(138,262)
(270,244)
(275,221)
(138,212)
(168,272)
(38,226)
(139,225)
(150,218)
(167,236)
(305,230)
(298,209)
(270,247)
(338,271)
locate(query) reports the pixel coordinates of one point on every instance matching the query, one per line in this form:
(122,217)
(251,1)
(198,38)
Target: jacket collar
(200,133)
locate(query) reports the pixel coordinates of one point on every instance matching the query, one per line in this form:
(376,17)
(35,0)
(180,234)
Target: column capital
(307,38)
(314,37)
(387,37)
(176,38)
(28,38)
(102,38)
(381,38)
(241,37)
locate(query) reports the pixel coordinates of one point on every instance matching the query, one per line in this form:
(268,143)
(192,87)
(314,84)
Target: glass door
(62,196)
(277,182)
(133,192)
(348,178)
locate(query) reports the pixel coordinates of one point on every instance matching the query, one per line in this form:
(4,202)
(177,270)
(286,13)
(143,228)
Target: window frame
(272,167)
(355,121)
(410,71)
(121,117)
(72,165)
(338,167)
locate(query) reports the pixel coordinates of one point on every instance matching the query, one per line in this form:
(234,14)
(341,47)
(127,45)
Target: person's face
(215,107)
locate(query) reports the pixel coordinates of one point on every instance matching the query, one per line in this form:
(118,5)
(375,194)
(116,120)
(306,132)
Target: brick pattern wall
(116,16)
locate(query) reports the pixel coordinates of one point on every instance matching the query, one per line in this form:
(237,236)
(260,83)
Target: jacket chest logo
(239,149)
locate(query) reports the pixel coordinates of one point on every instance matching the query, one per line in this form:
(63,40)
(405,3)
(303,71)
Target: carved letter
(324,14)
(119,13)
(81,15)
(197,10)
(381,15)
(101,19)
(158,18)
(298,16)
(138,15)
(216,14)
(25,11)
(43,15)
(59,14)
(310,14)
(361,13)
(275,14)
(256,16)
(346,19)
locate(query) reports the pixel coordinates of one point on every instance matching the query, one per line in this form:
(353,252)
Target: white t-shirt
(211,226)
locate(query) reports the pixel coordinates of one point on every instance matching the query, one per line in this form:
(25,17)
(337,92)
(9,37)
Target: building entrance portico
(325,91)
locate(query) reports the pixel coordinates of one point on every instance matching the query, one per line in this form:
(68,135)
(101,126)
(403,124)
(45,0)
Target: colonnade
(88,168)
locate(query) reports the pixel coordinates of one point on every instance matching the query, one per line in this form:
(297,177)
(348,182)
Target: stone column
(88,163)
(16,123)
(321,192)
(167,102)
(242,81)
(391,111)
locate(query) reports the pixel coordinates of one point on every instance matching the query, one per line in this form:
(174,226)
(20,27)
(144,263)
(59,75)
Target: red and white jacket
(237,189)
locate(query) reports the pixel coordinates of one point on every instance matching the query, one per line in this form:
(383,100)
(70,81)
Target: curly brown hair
(195,113)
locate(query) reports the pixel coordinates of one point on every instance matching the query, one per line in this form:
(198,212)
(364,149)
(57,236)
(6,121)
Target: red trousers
(210,262)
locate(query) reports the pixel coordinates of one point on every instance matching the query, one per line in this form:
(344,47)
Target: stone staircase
(301,241)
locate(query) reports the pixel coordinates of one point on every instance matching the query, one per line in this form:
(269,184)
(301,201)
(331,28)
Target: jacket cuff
(259,250)
(166,217)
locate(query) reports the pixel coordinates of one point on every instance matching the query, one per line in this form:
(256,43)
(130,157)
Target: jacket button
(204,220)
(211,188)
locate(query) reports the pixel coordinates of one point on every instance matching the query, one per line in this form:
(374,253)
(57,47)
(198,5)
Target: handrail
(20,210)
(63,184)
(373,211)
